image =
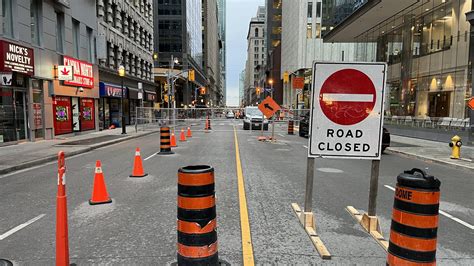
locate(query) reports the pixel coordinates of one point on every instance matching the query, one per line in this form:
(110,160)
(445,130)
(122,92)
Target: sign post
(347,123)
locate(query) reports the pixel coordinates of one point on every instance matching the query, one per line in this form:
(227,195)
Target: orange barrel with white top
(413,234)
(197,235)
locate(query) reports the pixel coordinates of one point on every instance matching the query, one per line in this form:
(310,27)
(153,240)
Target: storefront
(16,69)
(74,102)
(110,108)
(150,99)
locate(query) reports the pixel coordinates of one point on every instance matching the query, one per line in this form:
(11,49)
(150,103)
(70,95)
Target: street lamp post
(121,72)
(273,118)
(171,92)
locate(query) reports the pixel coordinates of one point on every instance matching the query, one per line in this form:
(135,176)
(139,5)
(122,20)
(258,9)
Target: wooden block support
(308,222)
(370,224)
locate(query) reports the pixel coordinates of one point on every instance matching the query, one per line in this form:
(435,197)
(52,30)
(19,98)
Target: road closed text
(344,140)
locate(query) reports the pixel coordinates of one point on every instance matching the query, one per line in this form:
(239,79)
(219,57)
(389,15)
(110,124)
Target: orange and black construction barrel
(291,127)
(197,235)
(165,141)
(413,233)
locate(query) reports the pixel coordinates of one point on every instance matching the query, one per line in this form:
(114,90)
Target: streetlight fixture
(121,72)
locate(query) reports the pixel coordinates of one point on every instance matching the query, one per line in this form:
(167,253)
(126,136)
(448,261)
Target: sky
(239,13)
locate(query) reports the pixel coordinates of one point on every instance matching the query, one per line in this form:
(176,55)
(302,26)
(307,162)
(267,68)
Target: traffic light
(286,77)
(191,75)
(258,90)
(202,90)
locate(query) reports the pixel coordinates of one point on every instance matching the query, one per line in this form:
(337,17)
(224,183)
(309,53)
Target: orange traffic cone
(182,137)
(206,129)
(138,166)
(99,191)
(173,140)
(190,134)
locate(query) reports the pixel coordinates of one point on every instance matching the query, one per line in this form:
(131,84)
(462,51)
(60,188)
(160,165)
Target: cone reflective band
(197,235)
(413,233)
(165,141)
(62,237)
(291,127)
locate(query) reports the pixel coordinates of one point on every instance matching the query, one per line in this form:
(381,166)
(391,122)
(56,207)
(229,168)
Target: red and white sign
(16,58)
(83,73)
(347,110)
(65,73)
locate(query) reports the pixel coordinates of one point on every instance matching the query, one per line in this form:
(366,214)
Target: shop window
(7,15)
(318,30)
(309,31)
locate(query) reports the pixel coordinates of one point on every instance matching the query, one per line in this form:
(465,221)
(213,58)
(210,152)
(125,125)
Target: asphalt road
(139,227)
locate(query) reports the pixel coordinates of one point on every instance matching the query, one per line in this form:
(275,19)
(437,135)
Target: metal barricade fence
(150,118)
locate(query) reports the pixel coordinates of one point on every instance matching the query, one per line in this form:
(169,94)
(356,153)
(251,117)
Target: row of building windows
(133,64)
(256,42)
(125,23)
(36,27)
(256,49)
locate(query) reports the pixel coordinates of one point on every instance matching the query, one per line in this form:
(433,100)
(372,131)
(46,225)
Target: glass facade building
(427,49)
(194,30)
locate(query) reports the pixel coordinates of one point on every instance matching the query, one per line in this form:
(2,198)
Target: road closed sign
(347,110)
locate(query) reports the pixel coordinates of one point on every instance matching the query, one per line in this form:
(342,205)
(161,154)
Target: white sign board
(6,79)
(65,73)
(347,110)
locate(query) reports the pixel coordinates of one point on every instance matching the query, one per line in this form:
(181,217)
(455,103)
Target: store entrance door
(21,125)
(439,104)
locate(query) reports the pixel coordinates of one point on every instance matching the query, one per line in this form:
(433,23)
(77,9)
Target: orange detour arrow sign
(470,103)
(269,107)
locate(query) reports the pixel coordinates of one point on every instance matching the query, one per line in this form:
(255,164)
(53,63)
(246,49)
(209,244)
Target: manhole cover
(4,262)
(92,140)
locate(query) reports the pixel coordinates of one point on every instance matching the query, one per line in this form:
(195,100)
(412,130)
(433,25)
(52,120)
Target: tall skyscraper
(221,11)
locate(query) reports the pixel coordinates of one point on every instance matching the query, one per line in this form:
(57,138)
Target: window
(310,9)
(309,31)
(263,42)
(75,37)
(256,42)
(256,49)
(35,15)
(7,15)
(256,32)
(256,56)
(318,30)
(255,63)
(318,9)
(90,45)
(60,32)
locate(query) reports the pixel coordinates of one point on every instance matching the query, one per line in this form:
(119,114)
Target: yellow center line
(247,249)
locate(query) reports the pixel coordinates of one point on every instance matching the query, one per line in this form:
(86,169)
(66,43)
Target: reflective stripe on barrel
(197,223)
(413,233)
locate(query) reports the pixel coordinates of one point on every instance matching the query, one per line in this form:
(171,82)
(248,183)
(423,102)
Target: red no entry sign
(347,97)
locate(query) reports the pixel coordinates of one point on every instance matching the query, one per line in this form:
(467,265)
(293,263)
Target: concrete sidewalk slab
(29,154)
(431,151)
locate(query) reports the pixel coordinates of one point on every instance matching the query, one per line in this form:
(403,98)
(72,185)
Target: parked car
(230,115)
(254,118)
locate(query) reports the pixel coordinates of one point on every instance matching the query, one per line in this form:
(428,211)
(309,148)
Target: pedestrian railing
(429,122)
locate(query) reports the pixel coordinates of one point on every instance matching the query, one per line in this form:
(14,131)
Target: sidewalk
(431,150)
(29,154)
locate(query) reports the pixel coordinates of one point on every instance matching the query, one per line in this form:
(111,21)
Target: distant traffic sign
(269,107)
(298,83)
(471,103)
(347,110)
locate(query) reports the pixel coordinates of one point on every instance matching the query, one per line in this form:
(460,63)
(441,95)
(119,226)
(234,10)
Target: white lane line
(21,226)
(446,214)
(151,156)
(281,135)
(305,146)
(343,97)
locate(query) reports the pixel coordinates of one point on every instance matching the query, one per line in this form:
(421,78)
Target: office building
(256,56)
(273,47)
(36,37)
(221,7)
(211,53)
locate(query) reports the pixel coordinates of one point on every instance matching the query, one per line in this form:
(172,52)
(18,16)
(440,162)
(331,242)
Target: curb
(50,158)
(429,159)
